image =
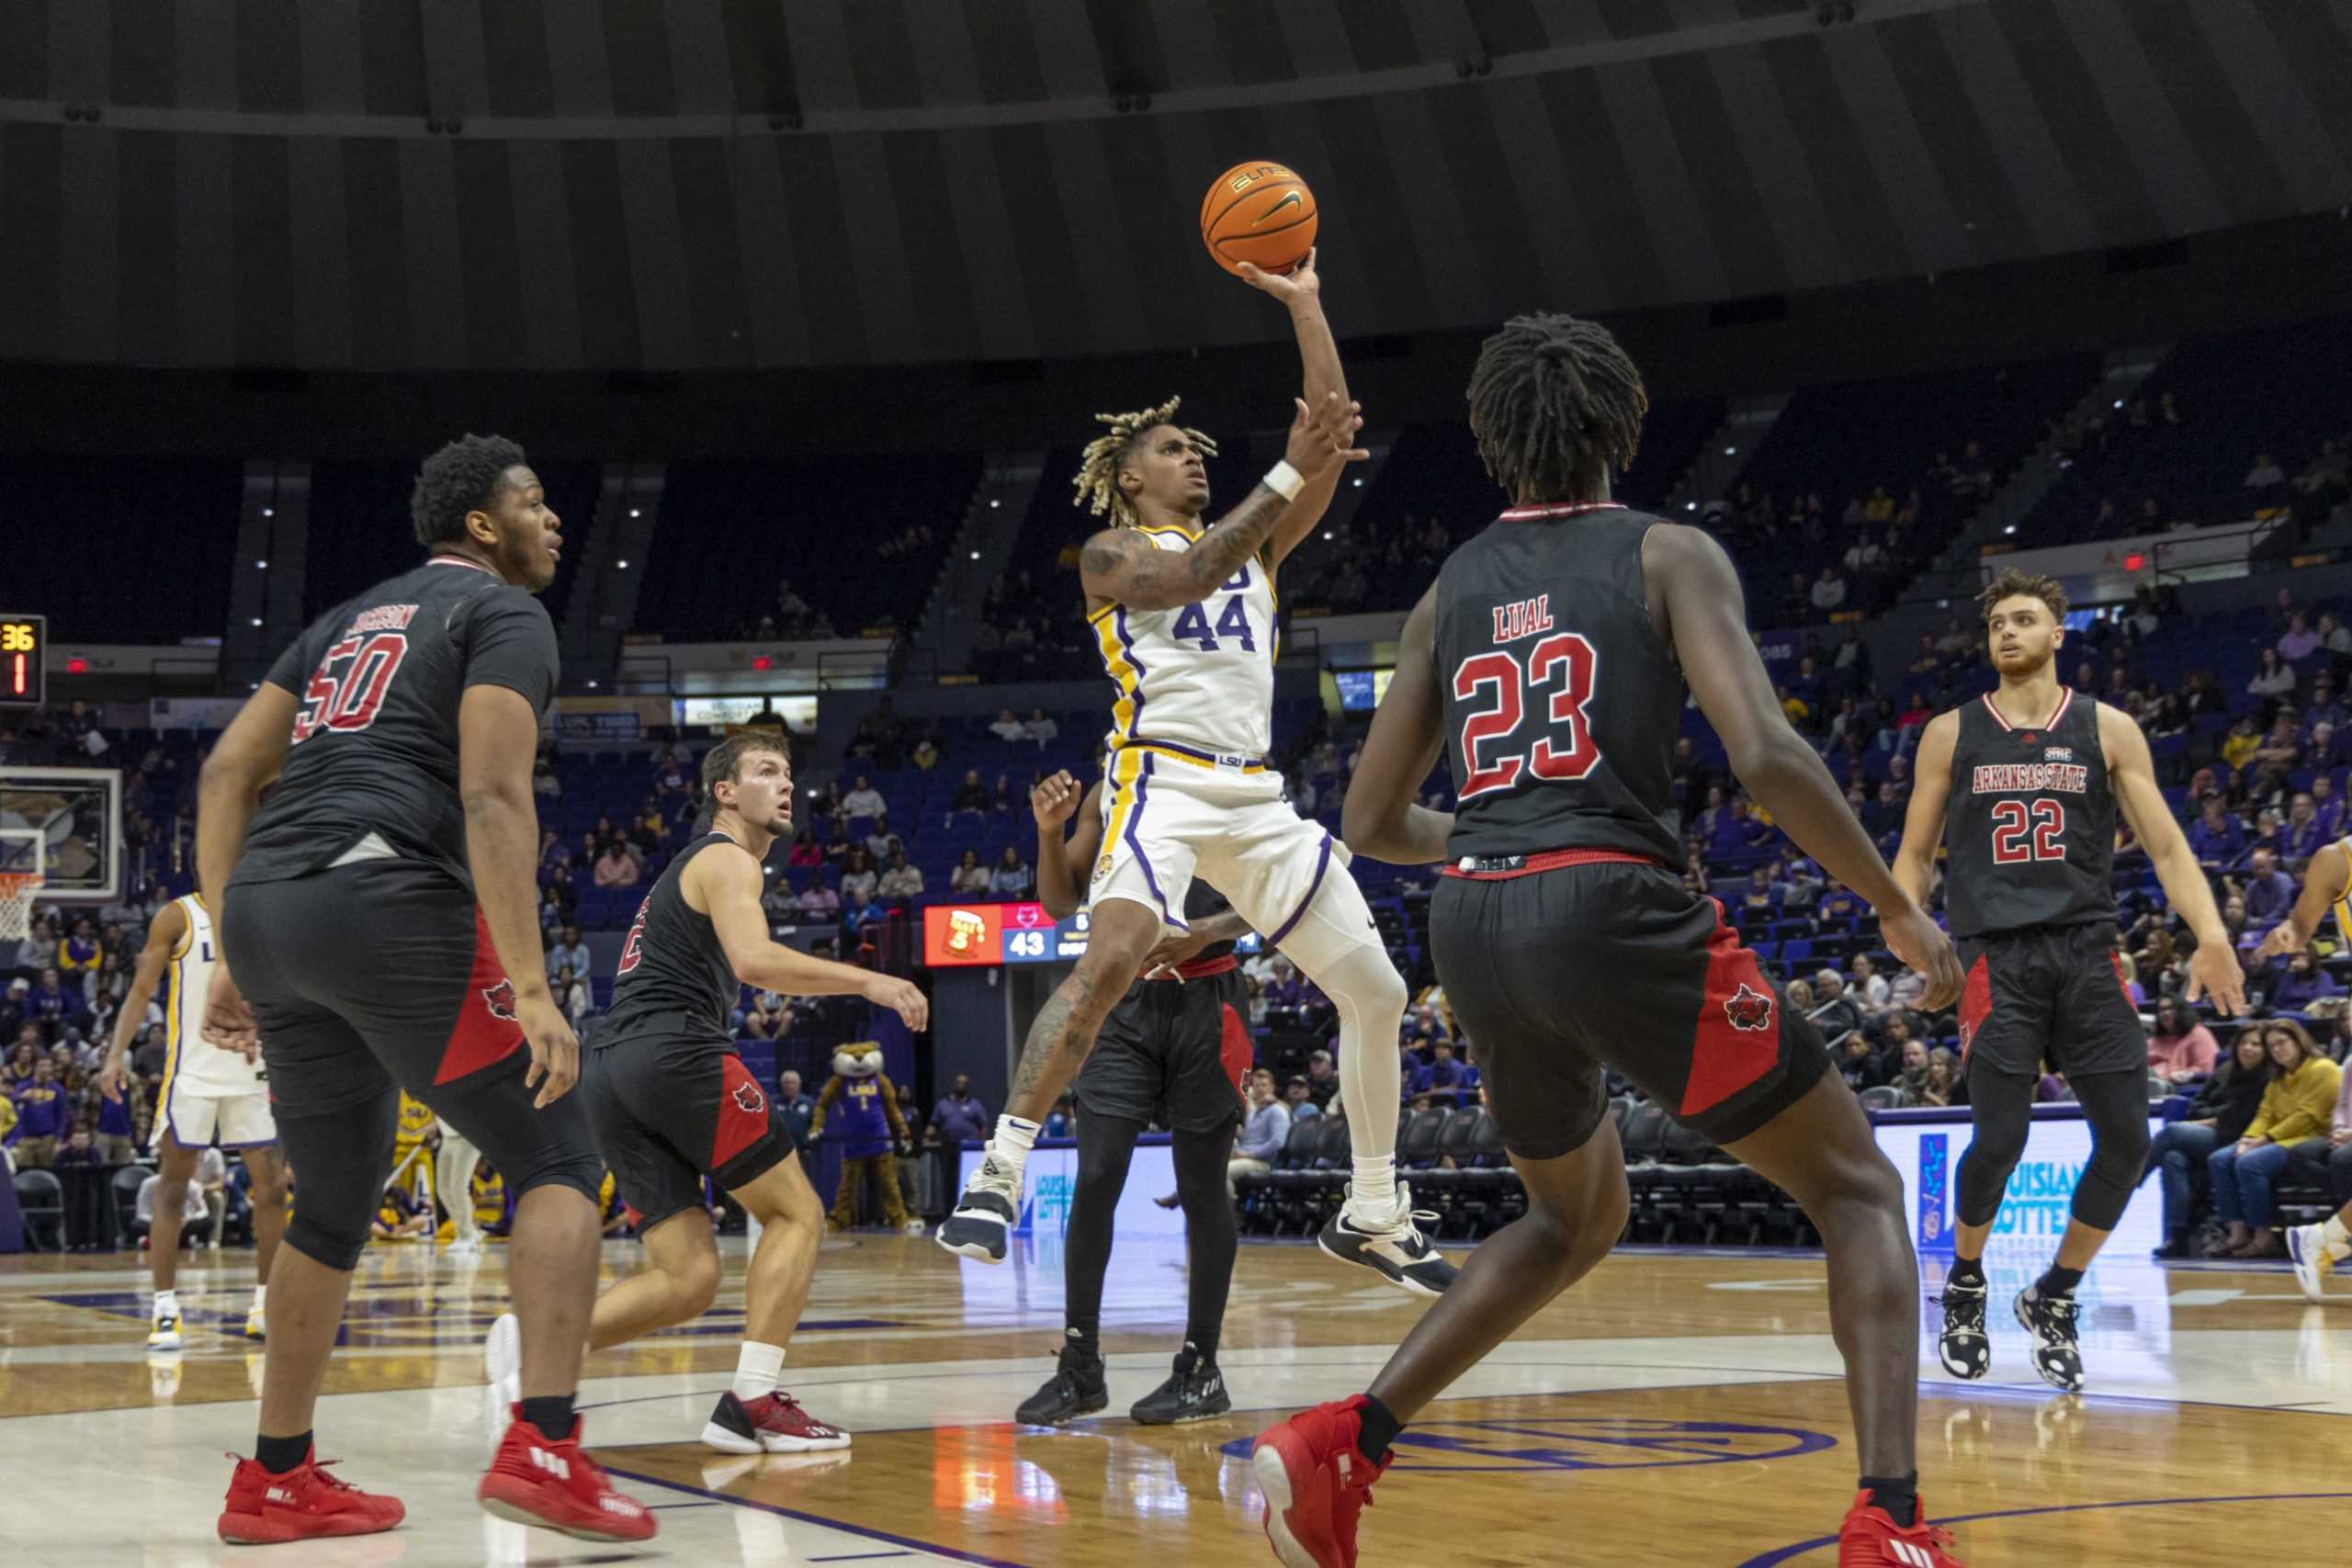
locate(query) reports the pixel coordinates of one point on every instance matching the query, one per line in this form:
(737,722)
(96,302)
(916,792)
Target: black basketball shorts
(1598,961)
(2049,993)
(379,976)
(1173,1052)
(671,1106)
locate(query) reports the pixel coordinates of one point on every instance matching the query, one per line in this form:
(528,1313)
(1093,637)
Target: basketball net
(17,891)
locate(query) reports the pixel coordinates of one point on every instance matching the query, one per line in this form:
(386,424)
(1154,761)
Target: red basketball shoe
(1869,1539)
(1316,1483)
(264,1509)
(535,1480)
(773,1422)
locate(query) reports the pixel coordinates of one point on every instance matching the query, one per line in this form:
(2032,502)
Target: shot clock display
(24,659)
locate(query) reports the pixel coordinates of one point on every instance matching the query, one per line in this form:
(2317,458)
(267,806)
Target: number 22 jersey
(2029,830)
(1561,703)
(375,744)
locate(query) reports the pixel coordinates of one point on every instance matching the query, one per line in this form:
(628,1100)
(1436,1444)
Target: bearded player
(673,1103)
(1184,618)
(2317,1249)
(2021,788)
(1549,663)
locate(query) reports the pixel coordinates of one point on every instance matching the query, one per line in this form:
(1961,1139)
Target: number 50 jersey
(1197,680)
(1561,702)
(373,763)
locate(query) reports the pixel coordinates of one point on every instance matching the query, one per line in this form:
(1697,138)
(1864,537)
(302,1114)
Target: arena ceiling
(672,183)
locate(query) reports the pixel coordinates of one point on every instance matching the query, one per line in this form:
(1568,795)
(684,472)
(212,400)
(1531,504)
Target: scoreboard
(24,659)
(958,936)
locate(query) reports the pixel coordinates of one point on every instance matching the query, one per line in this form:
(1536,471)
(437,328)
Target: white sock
(2335,1238)
(757,1368)
(1373,1191)
(259,1292)
(1014,1134)
(167,1301)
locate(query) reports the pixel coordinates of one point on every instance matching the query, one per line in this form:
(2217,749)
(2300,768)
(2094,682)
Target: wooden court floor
(1675,1408)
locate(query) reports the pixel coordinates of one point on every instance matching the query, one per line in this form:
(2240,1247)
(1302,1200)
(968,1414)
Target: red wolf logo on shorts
(500,1000)
(748,1100)
(1749,1008)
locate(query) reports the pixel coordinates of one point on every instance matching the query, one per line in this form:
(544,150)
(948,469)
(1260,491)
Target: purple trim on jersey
(1127,644)
(1322,864)
(1143,798)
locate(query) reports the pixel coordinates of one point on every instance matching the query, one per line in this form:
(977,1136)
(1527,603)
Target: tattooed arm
(1121,566)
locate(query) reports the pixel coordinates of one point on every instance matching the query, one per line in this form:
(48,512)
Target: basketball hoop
(17,891)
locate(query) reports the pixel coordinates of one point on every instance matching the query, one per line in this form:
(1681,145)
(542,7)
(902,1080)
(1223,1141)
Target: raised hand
(1054,800)
(1323,437)
(1302,282)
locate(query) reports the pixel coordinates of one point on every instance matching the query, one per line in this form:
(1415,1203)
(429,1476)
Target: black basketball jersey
(672,964)
(374,743)
(1561,700)
(2029,826)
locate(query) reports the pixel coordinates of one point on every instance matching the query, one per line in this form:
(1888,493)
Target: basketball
(1260,213)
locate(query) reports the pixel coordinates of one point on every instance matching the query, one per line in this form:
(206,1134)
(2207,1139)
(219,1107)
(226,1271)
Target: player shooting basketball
(1184,618)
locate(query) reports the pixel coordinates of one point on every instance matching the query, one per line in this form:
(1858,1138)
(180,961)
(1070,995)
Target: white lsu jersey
(1195,682)
(194,1065)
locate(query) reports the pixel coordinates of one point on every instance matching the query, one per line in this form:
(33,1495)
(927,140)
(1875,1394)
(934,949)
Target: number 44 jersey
(372,767)
(1561,701)
(1197,680)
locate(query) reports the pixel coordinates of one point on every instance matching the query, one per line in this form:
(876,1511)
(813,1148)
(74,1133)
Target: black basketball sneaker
(1963,1347)
(2057,1353)
(985,1214)
(1395,1250)
(1194,1391)
(1077,1388)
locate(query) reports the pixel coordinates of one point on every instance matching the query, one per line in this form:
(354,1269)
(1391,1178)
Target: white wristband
(1285,480)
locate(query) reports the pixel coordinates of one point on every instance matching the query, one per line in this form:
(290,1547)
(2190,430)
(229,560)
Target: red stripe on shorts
(1738,1037)
(1236,1050)
(1553,860)
(1977,1001)
(486,1031)
(743,1112)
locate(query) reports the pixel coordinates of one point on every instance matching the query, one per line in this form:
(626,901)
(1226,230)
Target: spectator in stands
(1862,1066)
(768,1018)
(2303,983)
(573,994)
(2274,679)
(1322,1078)
(2264,480)
(2180,1049)
(2298,642)
(817,901)
(1868,990)
(1446,1075)
(1262,1135)
(1007,727)
(901,881)
(971,794)
(864,800)
(570,953)
(2268,892)
(858,913)
(882,843)
(861,881)
(2330,1163)
(1759,896)
(925,755)
(2325,751)
(617,866)
(51,1006)
(2298,1102)
(1299,1100)
(1798,882)
(2327,705)
(1040,729)
(544,778)
(1828,593)
(1946,1086)
(970,878)
(806,854)
(2334,636)
(2301,838)
(1837,905)
(1013,879)
(1833,1010)
(1424,1029)
(1002,799)
(78,953)
(651,829)
(2215,835)
(2327,808)
(1912,1075)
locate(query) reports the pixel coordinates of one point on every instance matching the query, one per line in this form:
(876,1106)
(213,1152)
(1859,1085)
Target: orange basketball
(1260,213)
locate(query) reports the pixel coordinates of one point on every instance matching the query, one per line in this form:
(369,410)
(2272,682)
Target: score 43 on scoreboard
(24,658)
(958,936)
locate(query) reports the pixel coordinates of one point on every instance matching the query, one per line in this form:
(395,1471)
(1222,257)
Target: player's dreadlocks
(1555,405)
(1097,482)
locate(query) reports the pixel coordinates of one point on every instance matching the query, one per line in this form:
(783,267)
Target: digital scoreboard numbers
(24,660)
(963,936)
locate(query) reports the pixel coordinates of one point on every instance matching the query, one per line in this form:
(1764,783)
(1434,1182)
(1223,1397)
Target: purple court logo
(1599,1441)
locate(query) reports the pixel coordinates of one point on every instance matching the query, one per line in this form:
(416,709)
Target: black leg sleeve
(2002,1104)
(1105,1144)
(2116,1105)
(1212,1237)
